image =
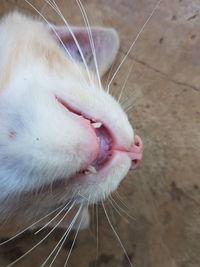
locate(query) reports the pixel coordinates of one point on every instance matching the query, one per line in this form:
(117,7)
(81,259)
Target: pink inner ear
(84,43)
(106,43)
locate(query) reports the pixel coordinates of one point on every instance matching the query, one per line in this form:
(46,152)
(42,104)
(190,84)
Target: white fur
(44,148)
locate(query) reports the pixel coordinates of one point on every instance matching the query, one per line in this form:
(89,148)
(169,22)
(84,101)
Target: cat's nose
(136,151)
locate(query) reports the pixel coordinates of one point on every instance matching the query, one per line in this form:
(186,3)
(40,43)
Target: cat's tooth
(97,124)
(91,169)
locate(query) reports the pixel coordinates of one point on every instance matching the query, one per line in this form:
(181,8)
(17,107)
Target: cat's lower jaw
(108,160)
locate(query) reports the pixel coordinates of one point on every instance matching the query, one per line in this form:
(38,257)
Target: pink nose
(135,152)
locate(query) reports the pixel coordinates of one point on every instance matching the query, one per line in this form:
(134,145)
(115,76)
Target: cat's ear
(106,43)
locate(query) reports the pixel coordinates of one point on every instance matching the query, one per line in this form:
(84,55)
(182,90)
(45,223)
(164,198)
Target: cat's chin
(92,186)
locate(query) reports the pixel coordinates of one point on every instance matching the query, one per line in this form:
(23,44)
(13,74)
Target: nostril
(135,152)
(134,163)
(138,141)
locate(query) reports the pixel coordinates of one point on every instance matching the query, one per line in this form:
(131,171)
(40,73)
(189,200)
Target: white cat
(63,139)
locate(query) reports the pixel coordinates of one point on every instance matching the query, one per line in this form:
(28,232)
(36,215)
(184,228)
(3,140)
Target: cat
(65,141)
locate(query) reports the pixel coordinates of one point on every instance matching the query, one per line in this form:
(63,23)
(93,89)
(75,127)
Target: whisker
(124,84)
(63,239)
(93,218)
(97,233)
(86,20)
(43,8)
(112,199)
(26,253)
(112,214)
(55,32)
(120,199)
(131,106)
(133,43)
(109,74)
(117,211)
(57,10)
(83,196)
(69,254)
(65,207)
(117,236)
(27,228)
(132,100)
(75,237)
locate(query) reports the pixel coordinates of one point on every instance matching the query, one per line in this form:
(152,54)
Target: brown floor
(164,193)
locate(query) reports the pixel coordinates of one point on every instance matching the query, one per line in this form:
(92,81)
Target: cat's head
(60,131)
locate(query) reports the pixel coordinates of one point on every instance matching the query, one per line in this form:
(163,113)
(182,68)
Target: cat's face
(60,131)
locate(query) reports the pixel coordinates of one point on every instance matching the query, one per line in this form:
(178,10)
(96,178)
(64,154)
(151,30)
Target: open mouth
(107,154)
(107,145)
(104,137)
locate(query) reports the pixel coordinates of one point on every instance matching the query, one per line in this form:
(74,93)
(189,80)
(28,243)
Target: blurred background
(157,206)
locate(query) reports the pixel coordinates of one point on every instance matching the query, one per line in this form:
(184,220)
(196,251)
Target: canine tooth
(91,169)
(96,124)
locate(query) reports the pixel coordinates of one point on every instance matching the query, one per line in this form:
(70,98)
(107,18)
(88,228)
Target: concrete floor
(163,194)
